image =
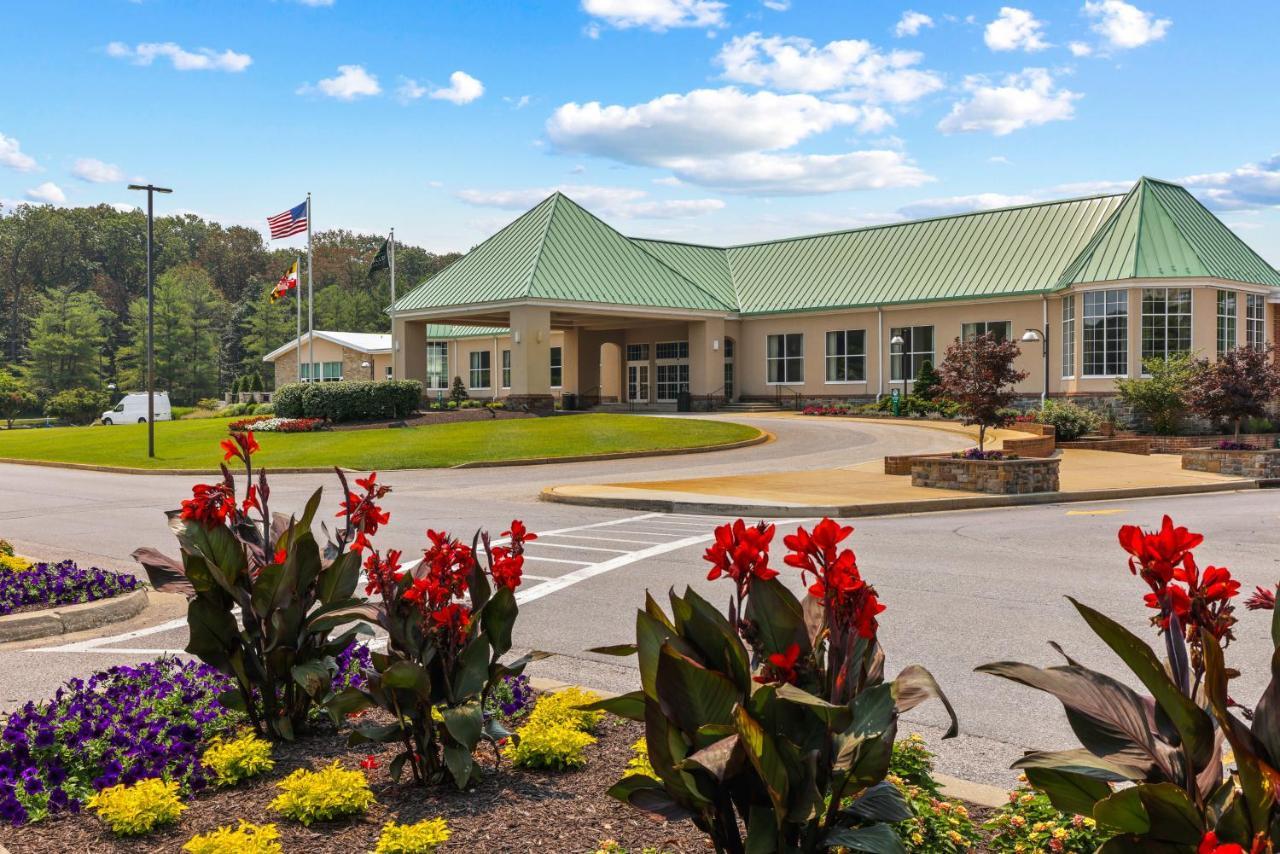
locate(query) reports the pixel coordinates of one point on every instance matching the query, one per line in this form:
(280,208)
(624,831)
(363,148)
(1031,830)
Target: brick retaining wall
(1032,446)
(901,464)
(1004,477)
(1178,444)
(1141,445)
(1254,464)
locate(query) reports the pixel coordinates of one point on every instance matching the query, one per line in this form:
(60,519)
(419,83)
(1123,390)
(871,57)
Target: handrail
(795,399)
(587,395)
(711,397)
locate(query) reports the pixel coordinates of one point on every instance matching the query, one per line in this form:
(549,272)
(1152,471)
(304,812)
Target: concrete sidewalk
(864,489)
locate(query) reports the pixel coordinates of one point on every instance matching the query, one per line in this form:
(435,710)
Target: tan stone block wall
(1009,477)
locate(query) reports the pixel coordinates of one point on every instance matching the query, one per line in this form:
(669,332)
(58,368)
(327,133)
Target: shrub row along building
(559,302)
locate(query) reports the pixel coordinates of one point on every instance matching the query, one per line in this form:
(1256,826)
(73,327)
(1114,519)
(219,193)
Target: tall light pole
(151,316)
(1030,336)
(897,344)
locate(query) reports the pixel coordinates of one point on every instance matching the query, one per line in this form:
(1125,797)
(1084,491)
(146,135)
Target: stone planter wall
(1178,444)
(994,477)
(1251,464)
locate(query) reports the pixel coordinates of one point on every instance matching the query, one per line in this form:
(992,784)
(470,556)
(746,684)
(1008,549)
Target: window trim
(505,367)
(827,357)
(1191,324)
(443,349)
(1128,328)
(987,324)
(1068,340)
(671,360)
(472,369)
(1261,321)
(551,353)
(912,353)
(1233,317)
(784,358)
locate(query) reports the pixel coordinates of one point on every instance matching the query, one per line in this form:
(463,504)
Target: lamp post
(368,365)
(151,190)
(1030,336)
(896,344)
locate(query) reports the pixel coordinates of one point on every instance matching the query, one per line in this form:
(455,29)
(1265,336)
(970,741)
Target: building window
(672,350)
(329,372)
(1255,322)
(847,356)
(917,348)
(387,374)
(1068,336)
(437,364)
(637,352)
(1228,315)
(784,358)
(728,348)
(1001,329)
(506,369)
(479,369)
(672,380)
(557,367)
(1166,322)
(1106,333)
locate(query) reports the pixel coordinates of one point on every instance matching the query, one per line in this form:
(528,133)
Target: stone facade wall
(1254,464)
(1141,446)
(1005,477)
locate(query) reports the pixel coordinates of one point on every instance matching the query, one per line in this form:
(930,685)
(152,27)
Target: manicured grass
(194,444)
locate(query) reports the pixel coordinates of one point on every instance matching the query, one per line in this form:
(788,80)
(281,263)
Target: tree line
(73,298)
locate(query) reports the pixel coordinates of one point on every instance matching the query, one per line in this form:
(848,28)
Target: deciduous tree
(979,375)
(1239,385)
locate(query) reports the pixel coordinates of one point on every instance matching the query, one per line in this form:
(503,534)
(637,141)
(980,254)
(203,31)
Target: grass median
(193,445)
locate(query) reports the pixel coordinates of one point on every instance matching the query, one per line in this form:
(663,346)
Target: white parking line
(576,548)
(598,539)
(528,556)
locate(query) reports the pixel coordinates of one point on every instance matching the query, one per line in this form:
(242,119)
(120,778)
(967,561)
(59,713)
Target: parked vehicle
(132,409)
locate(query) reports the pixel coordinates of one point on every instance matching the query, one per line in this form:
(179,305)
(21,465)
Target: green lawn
(194,444)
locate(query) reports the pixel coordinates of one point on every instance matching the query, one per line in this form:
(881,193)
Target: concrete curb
(762,437)
(53,464)
(981,794)
(885,508)
(66,619)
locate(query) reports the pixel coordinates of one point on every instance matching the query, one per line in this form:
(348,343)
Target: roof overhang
(288,346)
(564,315)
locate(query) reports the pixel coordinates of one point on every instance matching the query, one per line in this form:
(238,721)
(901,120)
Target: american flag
(293,221)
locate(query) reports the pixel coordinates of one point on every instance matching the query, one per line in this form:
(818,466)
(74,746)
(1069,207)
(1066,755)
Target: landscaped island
(192,444)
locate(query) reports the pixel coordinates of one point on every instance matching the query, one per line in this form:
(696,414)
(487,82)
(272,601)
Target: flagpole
(393,304)
(311,307)
(297,299)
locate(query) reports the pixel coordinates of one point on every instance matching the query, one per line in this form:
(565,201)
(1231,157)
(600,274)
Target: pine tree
(68,337)
(458,392)
(927,383)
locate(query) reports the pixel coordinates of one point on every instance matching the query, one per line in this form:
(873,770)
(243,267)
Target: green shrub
(458,391)
(939,824)
(237,759)
(1160,397)
(263,409)
(245,839)
(1069,421)
(77,405)
(331,792)
(928,384)
(558,731)
(420,838)
(348,400)
(139,808)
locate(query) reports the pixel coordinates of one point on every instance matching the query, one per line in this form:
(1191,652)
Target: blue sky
(689,119)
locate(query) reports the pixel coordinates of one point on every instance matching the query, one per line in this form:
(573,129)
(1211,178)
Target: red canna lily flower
(209,504)
(1156,555)
(1210,845)
(370,762)
(241,445)
(781,667)
(519,533)
(741,552)
(1261,600)
(251,500)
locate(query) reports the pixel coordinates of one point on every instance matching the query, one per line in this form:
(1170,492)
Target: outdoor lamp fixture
(1031,336)
(896,343)
(368,365)
(151,190)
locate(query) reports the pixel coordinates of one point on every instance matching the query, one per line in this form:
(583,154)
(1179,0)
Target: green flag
(380,260)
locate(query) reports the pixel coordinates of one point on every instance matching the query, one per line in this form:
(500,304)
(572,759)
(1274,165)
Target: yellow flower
(139,808)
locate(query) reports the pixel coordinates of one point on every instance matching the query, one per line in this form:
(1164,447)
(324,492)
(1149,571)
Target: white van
(132,409)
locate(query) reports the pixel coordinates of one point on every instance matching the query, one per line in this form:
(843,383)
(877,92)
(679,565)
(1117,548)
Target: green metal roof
(1162,231)
(558,251)
(441,331)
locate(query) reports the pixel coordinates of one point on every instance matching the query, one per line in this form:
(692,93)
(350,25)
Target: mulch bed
(510,810)
(420,419)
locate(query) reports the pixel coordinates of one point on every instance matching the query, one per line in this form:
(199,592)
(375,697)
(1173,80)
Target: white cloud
(657,15)
(1019,100)
(462,89)
(624,202)
(518,103)
(1079,49)
(1249,187)
(352,82)
(11,155)
(777,5)
(855,67)
(315,2)
(911,23)
(202,59)
(123,207)
(998,159)
(1015,29)
(947,205)
(802,174)
(47,192)
(410,90)
(96,172)
(1123,25)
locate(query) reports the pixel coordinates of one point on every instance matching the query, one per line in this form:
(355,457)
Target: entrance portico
(599,354)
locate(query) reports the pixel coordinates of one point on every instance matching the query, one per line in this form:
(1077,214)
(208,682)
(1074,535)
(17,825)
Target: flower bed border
(65,619)
(1260,463)
(970,475)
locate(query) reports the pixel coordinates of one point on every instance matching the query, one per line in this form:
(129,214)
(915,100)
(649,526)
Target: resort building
(559,302)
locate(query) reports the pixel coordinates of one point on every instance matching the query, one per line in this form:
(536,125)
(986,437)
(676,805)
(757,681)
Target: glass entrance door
(728,380)
(638,383)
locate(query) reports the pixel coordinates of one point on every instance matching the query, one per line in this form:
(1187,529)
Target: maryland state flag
(288,282)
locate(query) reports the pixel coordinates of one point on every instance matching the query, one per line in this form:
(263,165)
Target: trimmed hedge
(348,401)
